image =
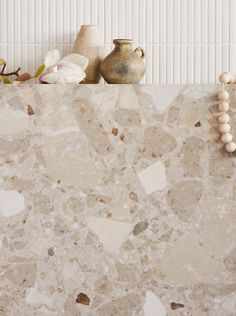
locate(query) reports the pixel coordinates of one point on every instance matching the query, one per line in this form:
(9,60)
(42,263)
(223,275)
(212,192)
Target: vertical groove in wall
(128,18)
(101,18)
(185,40)
(225,34)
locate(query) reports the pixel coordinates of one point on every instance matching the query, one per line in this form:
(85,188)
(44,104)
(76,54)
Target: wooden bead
(223,95)
(232,79)
(224,128)
(226,138)
(225,77)
(223,107)
(230,147)
(224,118)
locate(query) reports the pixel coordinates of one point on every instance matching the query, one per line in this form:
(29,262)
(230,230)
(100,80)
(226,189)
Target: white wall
(187,41)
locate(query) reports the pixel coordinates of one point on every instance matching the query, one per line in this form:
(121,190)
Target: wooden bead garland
(223,118)
(227,77)
(223,95)
(224,128)
(223,107)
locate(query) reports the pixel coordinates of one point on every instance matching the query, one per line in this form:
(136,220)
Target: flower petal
(76,59)
(72,73)
(52,58)
(52,77)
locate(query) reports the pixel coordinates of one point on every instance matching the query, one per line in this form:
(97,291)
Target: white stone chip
(34,297)
(128,98)
(230,304)
(11,203)
(163,96)
(12,122)
(110,233)
(153,178)
(153,306)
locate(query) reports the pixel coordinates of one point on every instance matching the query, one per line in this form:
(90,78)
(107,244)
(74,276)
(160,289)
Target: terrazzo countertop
(115,201)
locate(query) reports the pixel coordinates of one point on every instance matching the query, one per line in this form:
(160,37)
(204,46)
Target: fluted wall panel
(186,41)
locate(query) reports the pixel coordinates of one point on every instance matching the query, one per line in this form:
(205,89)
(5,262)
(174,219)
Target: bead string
(223,118)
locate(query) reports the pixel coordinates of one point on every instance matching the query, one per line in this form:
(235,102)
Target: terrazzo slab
(115,201)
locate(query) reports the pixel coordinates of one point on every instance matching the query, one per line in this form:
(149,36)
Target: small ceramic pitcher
(123,64)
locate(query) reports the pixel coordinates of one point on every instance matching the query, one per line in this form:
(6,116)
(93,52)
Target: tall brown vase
(124,64)
(89,44)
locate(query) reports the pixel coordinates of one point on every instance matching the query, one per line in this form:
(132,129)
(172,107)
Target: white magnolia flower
(52,58)
(69,69)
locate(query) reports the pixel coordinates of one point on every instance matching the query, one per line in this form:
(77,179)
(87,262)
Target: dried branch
(13,73)
(3,68)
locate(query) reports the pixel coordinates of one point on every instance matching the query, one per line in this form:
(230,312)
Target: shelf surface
(115,200)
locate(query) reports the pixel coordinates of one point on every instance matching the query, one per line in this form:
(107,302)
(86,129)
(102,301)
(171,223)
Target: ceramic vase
(124,64)
(89,44)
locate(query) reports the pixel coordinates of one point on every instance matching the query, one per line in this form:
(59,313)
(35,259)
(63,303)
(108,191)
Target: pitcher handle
(139,50)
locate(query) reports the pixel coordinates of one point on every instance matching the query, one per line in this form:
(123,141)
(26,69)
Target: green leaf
(39,71)
(7,80)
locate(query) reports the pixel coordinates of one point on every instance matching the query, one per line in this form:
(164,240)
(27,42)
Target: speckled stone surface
(115,201)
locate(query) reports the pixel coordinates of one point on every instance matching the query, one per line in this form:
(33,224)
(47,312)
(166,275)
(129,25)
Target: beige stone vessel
(123,64)
(89,44)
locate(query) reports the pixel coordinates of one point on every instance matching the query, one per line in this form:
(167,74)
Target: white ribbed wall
(186,41)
